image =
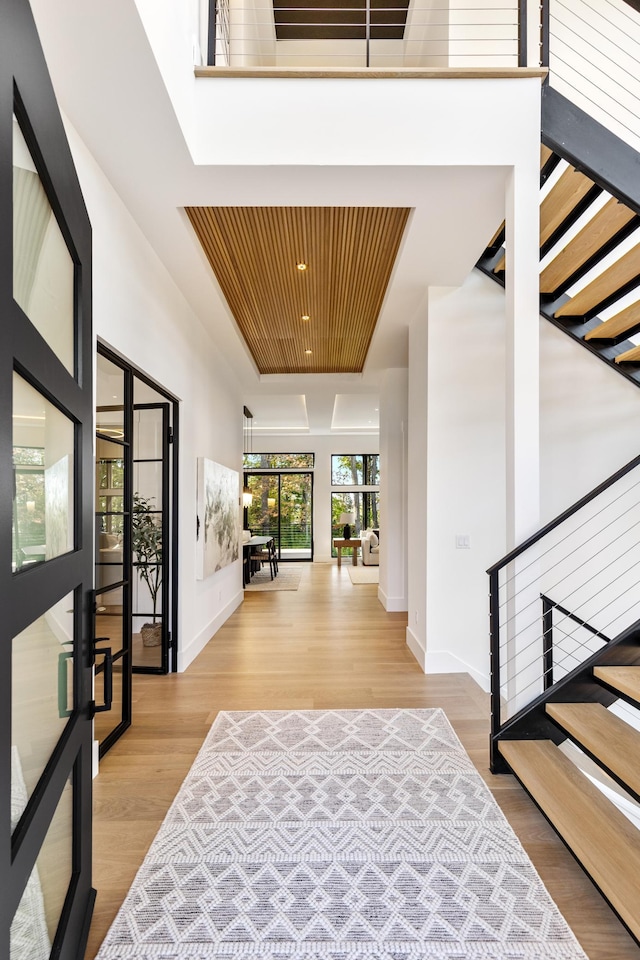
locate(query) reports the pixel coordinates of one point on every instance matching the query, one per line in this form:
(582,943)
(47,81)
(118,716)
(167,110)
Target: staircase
(589,241)
(600,836)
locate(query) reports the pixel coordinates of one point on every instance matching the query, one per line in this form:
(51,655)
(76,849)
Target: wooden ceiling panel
(349,252)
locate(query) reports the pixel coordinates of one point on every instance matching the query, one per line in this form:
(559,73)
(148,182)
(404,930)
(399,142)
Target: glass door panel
(36,920)
(42,678)
(43,271)
(43,453)
(282,507)
(296,513)
(112,563)
(151,530)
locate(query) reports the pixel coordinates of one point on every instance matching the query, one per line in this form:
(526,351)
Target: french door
(46,522)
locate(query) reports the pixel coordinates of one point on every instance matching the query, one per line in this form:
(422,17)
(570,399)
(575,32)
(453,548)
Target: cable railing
(592,49)
(565,593)
(365,33)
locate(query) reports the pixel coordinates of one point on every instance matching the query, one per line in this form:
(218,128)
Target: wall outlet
(463,541)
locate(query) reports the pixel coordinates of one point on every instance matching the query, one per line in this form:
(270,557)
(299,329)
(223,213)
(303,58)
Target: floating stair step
(624,679)
(545,153)
(628,319)
(629,356)
(559,203)
(620,273)
(594,235)
(605,736)
(603,840)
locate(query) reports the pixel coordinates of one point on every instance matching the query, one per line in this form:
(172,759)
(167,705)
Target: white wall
(323,447)
(466,471)
(394,428)
(139,312)
(589,421)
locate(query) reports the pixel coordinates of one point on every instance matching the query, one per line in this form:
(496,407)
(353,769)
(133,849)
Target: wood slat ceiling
(350,252)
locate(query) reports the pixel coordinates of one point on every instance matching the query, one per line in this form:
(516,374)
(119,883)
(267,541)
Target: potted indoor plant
(147,547)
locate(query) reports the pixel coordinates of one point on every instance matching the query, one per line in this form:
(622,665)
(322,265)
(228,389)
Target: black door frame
(279,474)
(171,559)
(27,93)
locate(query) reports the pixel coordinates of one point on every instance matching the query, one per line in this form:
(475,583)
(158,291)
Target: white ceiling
(108,84)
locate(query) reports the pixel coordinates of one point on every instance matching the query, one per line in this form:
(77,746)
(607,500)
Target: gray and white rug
(337,835)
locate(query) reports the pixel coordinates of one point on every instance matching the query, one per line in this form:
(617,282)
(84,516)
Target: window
(355,469)
(278,461)
(365,506)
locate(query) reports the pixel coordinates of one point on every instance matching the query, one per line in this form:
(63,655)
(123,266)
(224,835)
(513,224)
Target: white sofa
(370,547)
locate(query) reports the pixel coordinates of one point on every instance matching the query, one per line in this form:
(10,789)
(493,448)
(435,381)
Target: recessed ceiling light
(305,316)
(301,265)
(308,351)
(376,409)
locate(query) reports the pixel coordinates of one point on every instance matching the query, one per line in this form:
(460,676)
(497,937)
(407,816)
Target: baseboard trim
(187,655)
(441,661)
(416,648)
(392,604)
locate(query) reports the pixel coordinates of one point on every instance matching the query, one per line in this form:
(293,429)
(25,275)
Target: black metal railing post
(522,33)
(495,761)
(211,35)
(544,31)
(547,642)
(368,31)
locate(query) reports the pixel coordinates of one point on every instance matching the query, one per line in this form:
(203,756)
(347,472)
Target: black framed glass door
(282,508)
(46,521)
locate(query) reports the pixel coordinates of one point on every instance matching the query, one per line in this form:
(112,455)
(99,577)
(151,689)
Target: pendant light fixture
(247,496)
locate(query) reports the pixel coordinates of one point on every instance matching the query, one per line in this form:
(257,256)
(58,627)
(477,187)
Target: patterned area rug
(337,835)
(364,574)
(287,579)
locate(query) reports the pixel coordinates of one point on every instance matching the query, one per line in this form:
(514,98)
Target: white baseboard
(416,647)
(187,655)
(441,661)
(392,604)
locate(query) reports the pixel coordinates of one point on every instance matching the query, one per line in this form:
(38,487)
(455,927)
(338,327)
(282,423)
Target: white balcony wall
(594,54)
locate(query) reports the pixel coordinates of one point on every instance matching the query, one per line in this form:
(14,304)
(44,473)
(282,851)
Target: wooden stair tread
(612,279)
(601,837)
(571,188)
(611,329)
(545,153)
(624,679)
(600,229)
(629,356)
(604,735)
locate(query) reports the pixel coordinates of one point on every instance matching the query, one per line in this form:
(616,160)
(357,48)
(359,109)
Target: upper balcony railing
(352,34)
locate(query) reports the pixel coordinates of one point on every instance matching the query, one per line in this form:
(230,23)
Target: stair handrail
(569,512)
(519,647)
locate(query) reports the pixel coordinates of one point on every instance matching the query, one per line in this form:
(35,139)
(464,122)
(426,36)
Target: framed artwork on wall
(218,525)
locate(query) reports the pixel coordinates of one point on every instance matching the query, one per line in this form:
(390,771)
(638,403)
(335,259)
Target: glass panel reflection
(43,443)
(109,399)
(38,915)
(42,695)
(43,271)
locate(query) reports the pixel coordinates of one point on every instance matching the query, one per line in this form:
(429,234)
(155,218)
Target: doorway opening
(136,511)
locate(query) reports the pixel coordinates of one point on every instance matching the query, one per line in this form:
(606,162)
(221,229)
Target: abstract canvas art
(218,517)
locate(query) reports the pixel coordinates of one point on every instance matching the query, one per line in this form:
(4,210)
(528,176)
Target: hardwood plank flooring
(328,645)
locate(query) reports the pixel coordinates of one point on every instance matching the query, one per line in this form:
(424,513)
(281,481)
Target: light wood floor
(327,645)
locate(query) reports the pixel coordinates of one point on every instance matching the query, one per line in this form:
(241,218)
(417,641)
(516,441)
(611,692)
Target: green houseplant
(147,547)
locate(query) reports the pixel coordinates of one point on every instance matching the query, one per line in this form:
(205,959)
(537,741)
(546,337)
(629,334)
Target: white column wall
(466,471)
(322,446)
(139,311)
(394,412)
(417,488)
